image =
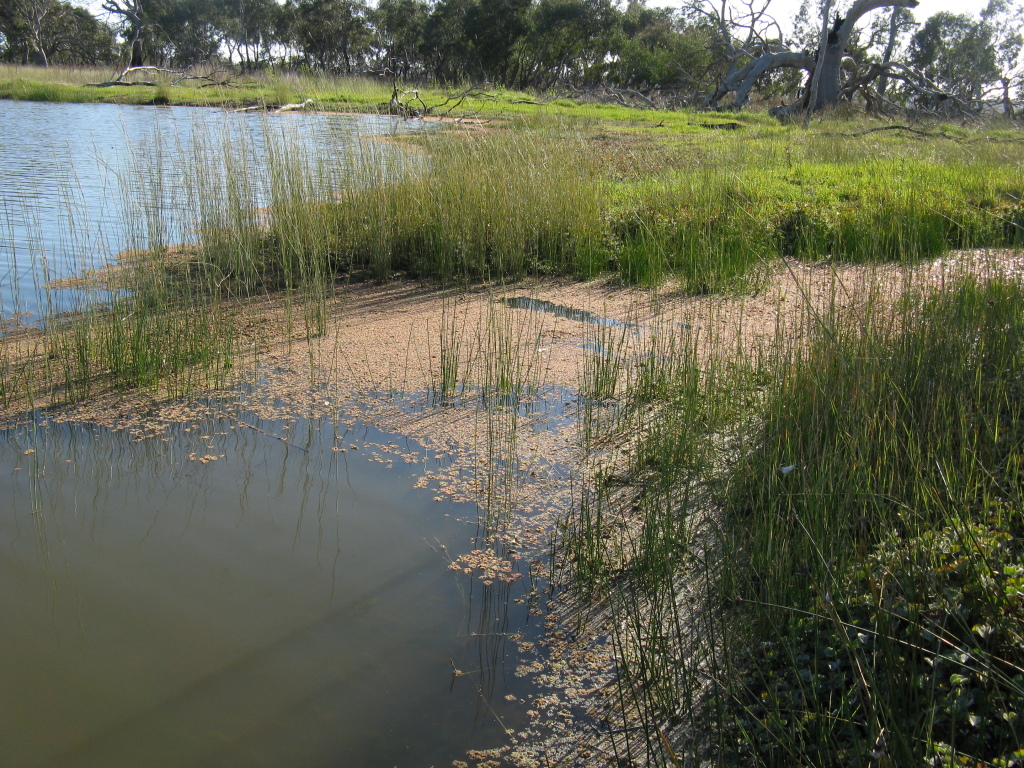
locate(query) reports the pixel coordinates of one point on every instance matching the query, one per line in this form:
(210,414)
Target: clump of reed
(880,510)
(535,199)
(822,562)
(480,207)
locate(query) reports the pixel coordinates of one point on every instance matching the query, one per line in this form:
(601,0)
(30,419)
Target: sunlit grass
(823,556)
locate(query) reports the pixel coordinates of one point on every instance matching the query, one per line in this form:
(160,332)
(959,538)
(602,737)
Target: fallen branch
(178,76)
(925,135)
(293,107)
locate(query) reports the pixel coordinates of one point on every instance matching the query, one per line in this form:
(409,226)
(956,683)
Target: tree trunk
(829,83)
(890,46)
(831,55)
(137,58)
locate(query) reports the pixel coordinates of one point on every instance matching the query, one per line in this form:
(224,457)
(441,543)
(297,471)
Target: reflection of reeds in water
(454,358)
(509,375)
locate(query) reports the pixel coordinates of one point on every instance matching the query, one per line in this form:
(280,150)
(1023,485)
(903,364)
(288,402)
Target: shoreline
(379,356)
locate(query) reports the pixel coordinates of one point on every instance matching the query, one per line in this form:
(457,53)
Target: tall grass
(822,565)
(892,543)
(537,199)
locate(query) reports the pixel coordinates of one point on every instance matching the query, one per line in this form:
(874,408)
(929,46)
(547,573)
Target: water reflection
(80,183)
(209,594)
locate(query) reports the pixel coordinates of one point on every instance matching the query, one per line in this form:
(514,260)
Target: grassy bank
(540,197)
(550,197)
(272,89)
(822,562)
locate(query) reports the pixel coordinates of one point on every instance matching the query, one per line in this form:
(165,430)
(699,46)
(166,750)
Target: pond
(78,182)
(225,590)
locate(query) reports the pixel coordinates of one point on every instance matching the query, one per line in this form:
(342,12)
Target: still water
(282,603)
(79,182)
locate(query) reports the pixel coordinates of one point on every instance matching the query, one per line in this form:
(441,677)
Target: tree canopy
(716,53)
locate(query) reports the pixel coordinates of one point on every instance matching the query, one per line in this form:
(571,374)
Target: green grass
(545,197)
(894,540)
(825,561)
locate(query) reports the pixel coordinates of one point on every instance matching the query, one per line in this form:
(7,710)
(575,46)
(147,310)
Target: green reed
(822,563)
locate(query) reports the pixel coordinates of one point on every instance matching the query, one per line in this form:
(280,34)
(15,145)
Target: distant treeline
(703,51)
(517,43)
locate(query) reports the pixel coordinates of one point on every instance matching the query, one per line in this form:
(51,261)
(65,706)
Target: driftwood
(277,110)
(926,135)
(408,109)
(177,77)
(293,107)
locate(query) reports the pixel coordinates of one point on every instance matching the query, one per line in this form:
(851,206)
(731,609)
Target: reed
(823,556)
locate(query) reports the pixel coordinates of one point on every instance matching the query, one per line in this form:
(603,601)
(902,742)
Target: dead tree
(824,67)
(130,12)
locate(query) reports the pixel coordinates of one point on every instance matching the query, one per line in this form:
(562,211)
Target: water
(570,313)
(77,180)
(282,605)
(214,594)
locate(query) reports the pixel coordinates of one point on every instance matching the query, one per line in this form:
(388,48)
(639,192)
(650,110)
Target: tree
(133,26)
(52,32)
(248,30)
(32,23)
(185,32)
(571,42)
(444,46)
(888,34)
(1005,23)
(955,52)
(332,35)
(753,55)
(494,29)
(658,49)
(399,27)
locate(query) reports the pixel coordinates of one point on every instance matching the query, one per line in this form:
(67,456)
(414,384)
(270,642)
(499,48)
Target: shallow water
(284,604)
(569,313)
(78,182)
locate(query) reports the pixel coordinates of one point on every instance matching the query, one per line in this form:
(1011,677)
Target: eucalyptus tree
(955,53)
(1005,22)
(889,35)
(833,69)
(399,27)
(248,30)
(446,55)
(493,30)
(130,16)
(572,42)
(31,24)
(658,48)
(331,35)
(52,32)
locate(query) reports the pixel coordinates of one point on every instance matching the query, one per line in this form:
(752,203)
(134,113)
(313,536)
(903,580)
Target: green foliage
(883,562)
(956,52)
(865,579)
(933,625)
